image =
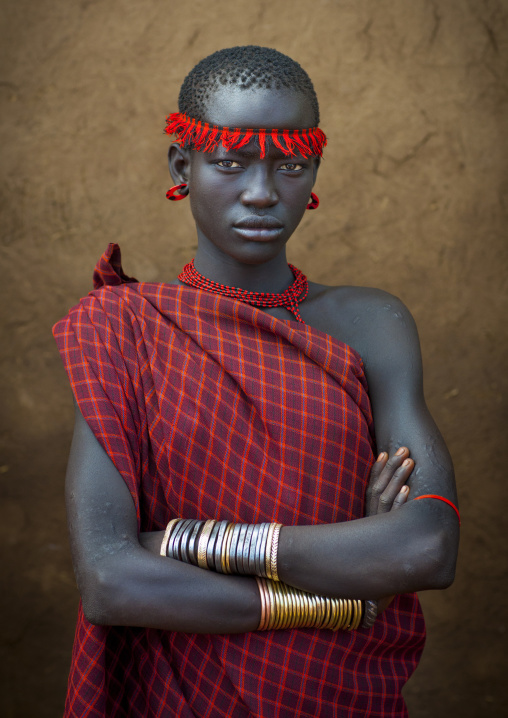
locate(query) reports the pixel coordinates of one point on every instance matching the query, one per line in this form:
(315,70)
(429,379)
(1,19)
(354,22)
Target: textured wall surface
(414,197)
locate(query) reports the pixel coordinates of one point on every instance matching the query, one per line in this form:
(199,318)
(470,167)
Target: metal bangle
(306,606)
(246,548)
(272,604)
(210,546)
(357,614)
(343,614)
(285,617)
(313,610)
(226,543)
(268,607)
(353,616)
(261,590)
(232,550)
(320,602)
(193,541)
(278,607)
(334,613)
(184,541)
(347,620)
(167,534)
(218,545)
(260,549)
(174,542)
(239,548)
(169,549)
(369,613)
(268,550)
(297,611)
(252,550)
(203,543)
(274,552)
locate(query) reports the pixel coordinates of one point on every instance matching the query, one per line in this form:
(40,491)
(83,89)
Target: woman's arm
(414,548)
(120,582)
(123,580)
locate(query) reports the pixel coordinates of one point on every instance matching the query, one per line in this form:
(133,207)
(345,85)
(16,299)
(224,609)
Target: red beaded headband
(206,138)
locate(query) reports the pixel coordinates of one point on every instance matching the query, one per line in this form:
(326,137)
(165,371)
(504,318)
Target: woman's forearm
(404,550)
(411,549)
(137,588)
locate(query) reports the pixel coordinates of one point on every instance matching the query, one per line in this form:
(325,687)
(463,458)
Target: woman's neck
(272,275)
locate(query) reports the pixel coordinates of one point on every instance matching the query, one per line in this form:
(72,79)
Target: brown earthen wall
(414,196)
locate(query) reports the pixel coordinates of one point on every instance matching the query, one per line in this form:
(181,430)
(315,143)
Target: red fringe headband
(206,138)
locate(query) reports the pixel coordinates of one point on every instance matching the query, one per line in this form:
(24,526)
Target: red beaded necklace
(290,299)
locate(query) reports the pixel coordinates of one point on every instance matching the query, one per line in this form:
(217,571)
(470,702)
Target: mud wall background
(414,196)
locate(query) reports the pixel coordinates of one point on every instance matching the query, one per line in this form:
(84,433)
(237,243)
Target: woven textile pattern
(211,408)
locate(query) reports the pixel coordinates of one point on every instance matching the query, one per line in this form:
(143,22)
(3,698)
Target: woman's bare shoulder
(355,315)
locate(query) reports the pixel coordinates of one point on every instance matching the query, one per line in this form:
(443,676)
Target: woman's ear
(179,163)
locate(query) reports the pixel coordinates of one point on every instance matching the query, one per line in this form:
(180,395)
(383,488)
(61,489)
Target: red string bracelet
(441,498)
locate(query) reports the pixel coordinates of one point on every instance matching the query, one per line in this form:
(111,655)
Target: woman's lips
(259,229)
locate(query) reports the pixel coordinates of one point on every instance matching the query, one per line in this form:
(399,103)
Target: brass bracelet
(273,553)
(268,550)
(285,607)
(167,534)
(203,542)
(224,564)
(227,543)
(261,590)
(271,602)
(287,613)
(359,615)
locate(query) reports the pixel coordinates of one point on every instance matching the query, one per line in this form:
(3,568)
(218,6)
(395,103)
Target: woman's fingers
(401,497)
(387,479)
(394,486)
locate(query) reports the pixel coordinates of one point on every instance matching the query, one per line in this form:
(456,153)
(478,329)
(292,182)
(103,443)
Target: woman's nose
(260,189)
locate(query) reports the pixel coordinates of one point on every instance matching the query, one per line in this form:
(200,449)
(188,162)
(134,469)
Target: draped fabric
(211,408)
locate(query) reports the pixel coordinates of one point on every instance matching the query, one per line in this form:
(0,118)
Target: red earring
(314,201)
(177,192)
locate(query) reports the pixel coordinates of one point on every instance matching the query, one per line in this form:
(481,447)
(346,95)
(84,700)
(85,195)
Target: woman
(232,403)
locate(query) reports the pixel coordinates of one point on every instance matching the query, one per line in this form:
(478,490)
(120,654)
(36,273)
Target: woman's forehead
(231,106)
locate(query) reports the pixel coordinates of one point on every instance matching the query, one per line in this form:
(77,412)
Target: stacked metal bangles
(225,547)
(251,550)
(285,607)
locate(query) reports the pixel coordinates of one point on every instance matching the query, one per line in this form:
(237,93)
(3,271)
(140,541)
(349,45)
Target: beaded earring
(177,192)
(314,201)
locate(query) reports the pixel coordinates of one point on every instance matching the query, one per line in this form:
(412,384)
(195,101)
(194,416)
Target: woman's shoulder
(359,316)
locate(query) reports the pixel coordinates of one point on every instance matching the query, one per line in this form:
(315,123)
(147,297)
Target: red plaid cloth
(212,408)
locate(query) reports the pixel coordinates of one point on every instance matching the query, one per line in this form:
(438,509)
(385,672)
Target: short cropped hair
(248,66)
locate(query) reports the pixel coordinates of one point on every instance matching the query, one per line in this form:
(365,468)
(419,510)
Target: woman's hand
(387,489)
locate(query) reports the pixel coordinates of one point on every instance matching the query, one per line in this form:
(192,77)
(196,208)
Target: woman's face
(246,208)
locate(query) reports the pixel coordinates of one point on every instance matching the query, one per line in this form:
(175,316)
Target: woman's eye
(291,166)
(228,164)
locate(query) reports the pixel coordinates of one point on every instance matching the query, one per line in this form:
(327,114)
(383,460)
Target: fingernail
(407,462)
(404,490)
(400,451)
(381,456)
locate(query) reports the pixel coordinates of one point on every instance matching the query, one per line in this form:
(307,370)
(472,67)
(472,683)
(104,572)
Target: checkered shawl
(212,408)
